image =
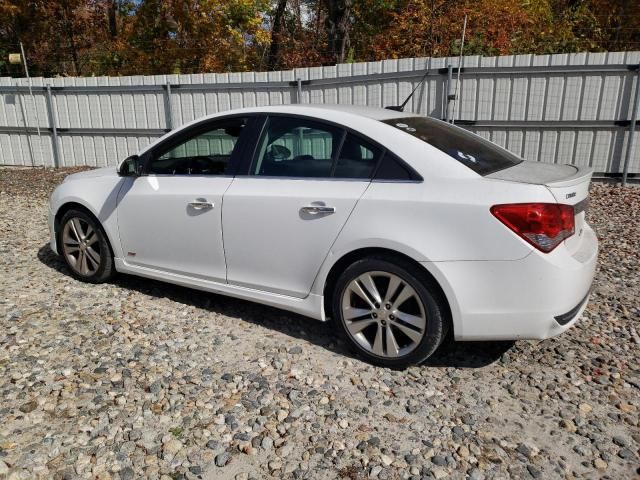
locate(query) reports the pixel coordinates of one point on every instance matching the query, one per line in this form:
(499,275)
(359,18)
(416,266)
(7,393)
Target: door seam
(117,210)
(336,239)
(224,251)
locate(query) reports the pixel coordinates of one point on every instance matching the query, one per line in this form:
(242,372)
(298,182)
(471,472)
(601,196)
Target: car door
(281,219)
(169,218)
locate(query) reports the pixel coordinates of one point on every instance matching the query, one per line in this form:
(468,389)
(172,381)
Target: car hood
(97,172)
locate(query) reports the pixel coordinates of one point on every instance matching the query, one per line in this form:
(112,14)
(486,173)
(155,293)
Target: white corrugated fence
(568,108)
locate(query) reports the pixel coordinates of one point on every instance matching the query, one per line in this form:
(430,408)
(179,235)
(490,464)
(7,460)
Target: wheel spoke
(88,232)
(71,248)
(394,284)
(357,289)
(71,230)
(82,258)
(93,256)
(393,350)
(74,261)
(409,332)
(377,343)
(352,313)
(357,327)
(69,240)
(77,228)
(413,320)
(405,294)
(367,282)
(92,238)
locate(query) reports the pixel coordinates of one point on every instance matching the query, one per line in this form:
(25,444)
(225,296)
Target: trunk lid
(568,184)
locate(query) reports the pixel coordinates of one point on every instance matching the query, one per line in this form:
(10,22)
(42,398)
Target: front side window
(207,152)
(480,155)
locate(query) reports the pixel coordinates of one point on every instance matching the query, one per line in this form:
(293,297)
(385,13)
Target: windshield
(480,155)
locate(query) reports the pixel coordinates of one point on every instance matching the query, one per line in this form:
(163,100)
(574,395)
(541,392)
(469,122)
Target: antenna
(455,97)
(400,108)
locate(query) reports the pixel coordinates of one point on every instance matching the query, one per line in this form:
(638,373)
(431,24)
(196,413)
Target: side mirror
(130,167)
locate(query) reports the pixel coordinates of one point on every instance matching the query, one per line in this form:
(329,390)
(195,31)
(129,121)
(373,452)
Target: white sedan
(399,227)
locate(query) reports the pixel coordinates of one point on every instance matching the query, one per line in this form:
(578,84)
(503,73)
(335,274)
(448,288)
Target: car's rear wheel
(85,247)
(389,311)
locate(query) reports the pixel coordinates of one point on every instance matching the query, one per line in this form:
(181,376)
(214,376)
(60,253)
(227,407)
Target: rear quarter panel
(444,220)
(435,221)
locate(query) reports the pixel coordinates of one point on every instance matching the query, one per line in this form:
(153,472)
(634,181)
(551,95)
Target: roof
(349,115)
(360,110)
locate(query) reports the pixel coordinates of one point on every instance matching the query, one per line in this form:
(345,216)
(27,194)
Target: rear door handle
(318,209)
(198,205)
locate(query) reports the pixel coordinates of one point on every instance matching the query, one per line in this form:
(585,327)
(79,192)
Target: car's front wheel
(85,247)
(389,311)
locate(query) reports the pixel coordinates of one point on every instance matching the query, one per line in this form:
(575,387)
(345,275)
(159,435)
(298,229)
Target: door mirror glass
(131,167)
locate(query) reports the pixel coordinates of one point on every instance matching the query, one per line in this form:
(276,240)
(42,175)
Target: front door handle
(199,205)
(318,209)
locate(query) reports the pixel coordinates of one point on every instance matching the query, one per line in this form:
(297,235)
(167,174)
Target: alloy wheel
(81,246)
(383,314)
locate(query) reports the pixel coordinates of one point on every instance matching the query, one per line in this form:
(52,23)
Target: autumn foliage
(123,37)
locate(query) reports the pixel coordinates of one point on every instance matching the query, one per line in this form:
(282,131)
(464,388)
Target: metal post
(455,98)
(54,128)
(168,109)
(35,106)
(632,131)
(299,82)
(450,96)
(26,129)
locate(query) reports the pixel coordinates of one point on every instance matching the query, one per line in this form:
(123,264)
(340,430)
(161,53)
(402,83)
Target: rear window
(480,155)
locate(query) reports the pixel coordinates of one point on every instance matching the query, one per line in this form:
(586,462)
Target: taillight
(543,225)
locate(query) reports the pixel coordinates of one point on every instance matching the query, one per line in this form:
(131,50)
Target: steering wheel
(279,152)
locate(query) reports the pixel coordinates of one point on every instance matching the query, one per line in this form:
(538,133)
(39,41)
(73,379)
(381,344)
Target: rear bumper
(572,314)
(537,297)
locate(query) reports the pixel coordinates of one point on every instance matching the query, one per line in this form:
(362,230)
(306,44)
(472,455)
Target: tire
(79,237)
(417,317)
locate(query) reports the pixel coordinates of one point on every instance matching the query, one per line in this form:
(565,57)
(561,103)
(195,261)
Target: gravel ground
(138,378)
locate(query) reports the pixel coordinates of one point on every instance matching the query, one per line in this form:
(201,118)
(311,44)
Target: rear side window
(298,147)
(393,169)
(357,158)
(480,155)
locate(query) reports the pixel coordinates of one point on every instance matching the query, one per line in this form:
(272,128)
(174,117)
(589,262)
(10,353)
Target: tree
(277,28)
(337,24)
(122,37)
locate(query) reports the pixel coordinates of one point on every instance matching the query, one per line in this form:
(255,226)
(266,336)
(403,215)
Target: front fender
(99,196)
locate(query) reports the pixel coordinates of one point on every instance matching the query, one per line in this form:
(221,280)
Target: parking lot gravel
(136,378)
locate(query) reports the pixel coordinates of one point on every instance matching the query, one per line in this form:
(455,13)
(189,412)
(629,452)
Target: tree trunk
(337,25)
(112,10)
(67,26)
(276,33)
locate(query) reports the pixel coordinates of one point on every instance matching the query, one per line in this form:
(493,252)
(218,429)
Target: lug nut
(374,315)
(388,306)
(391,317)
